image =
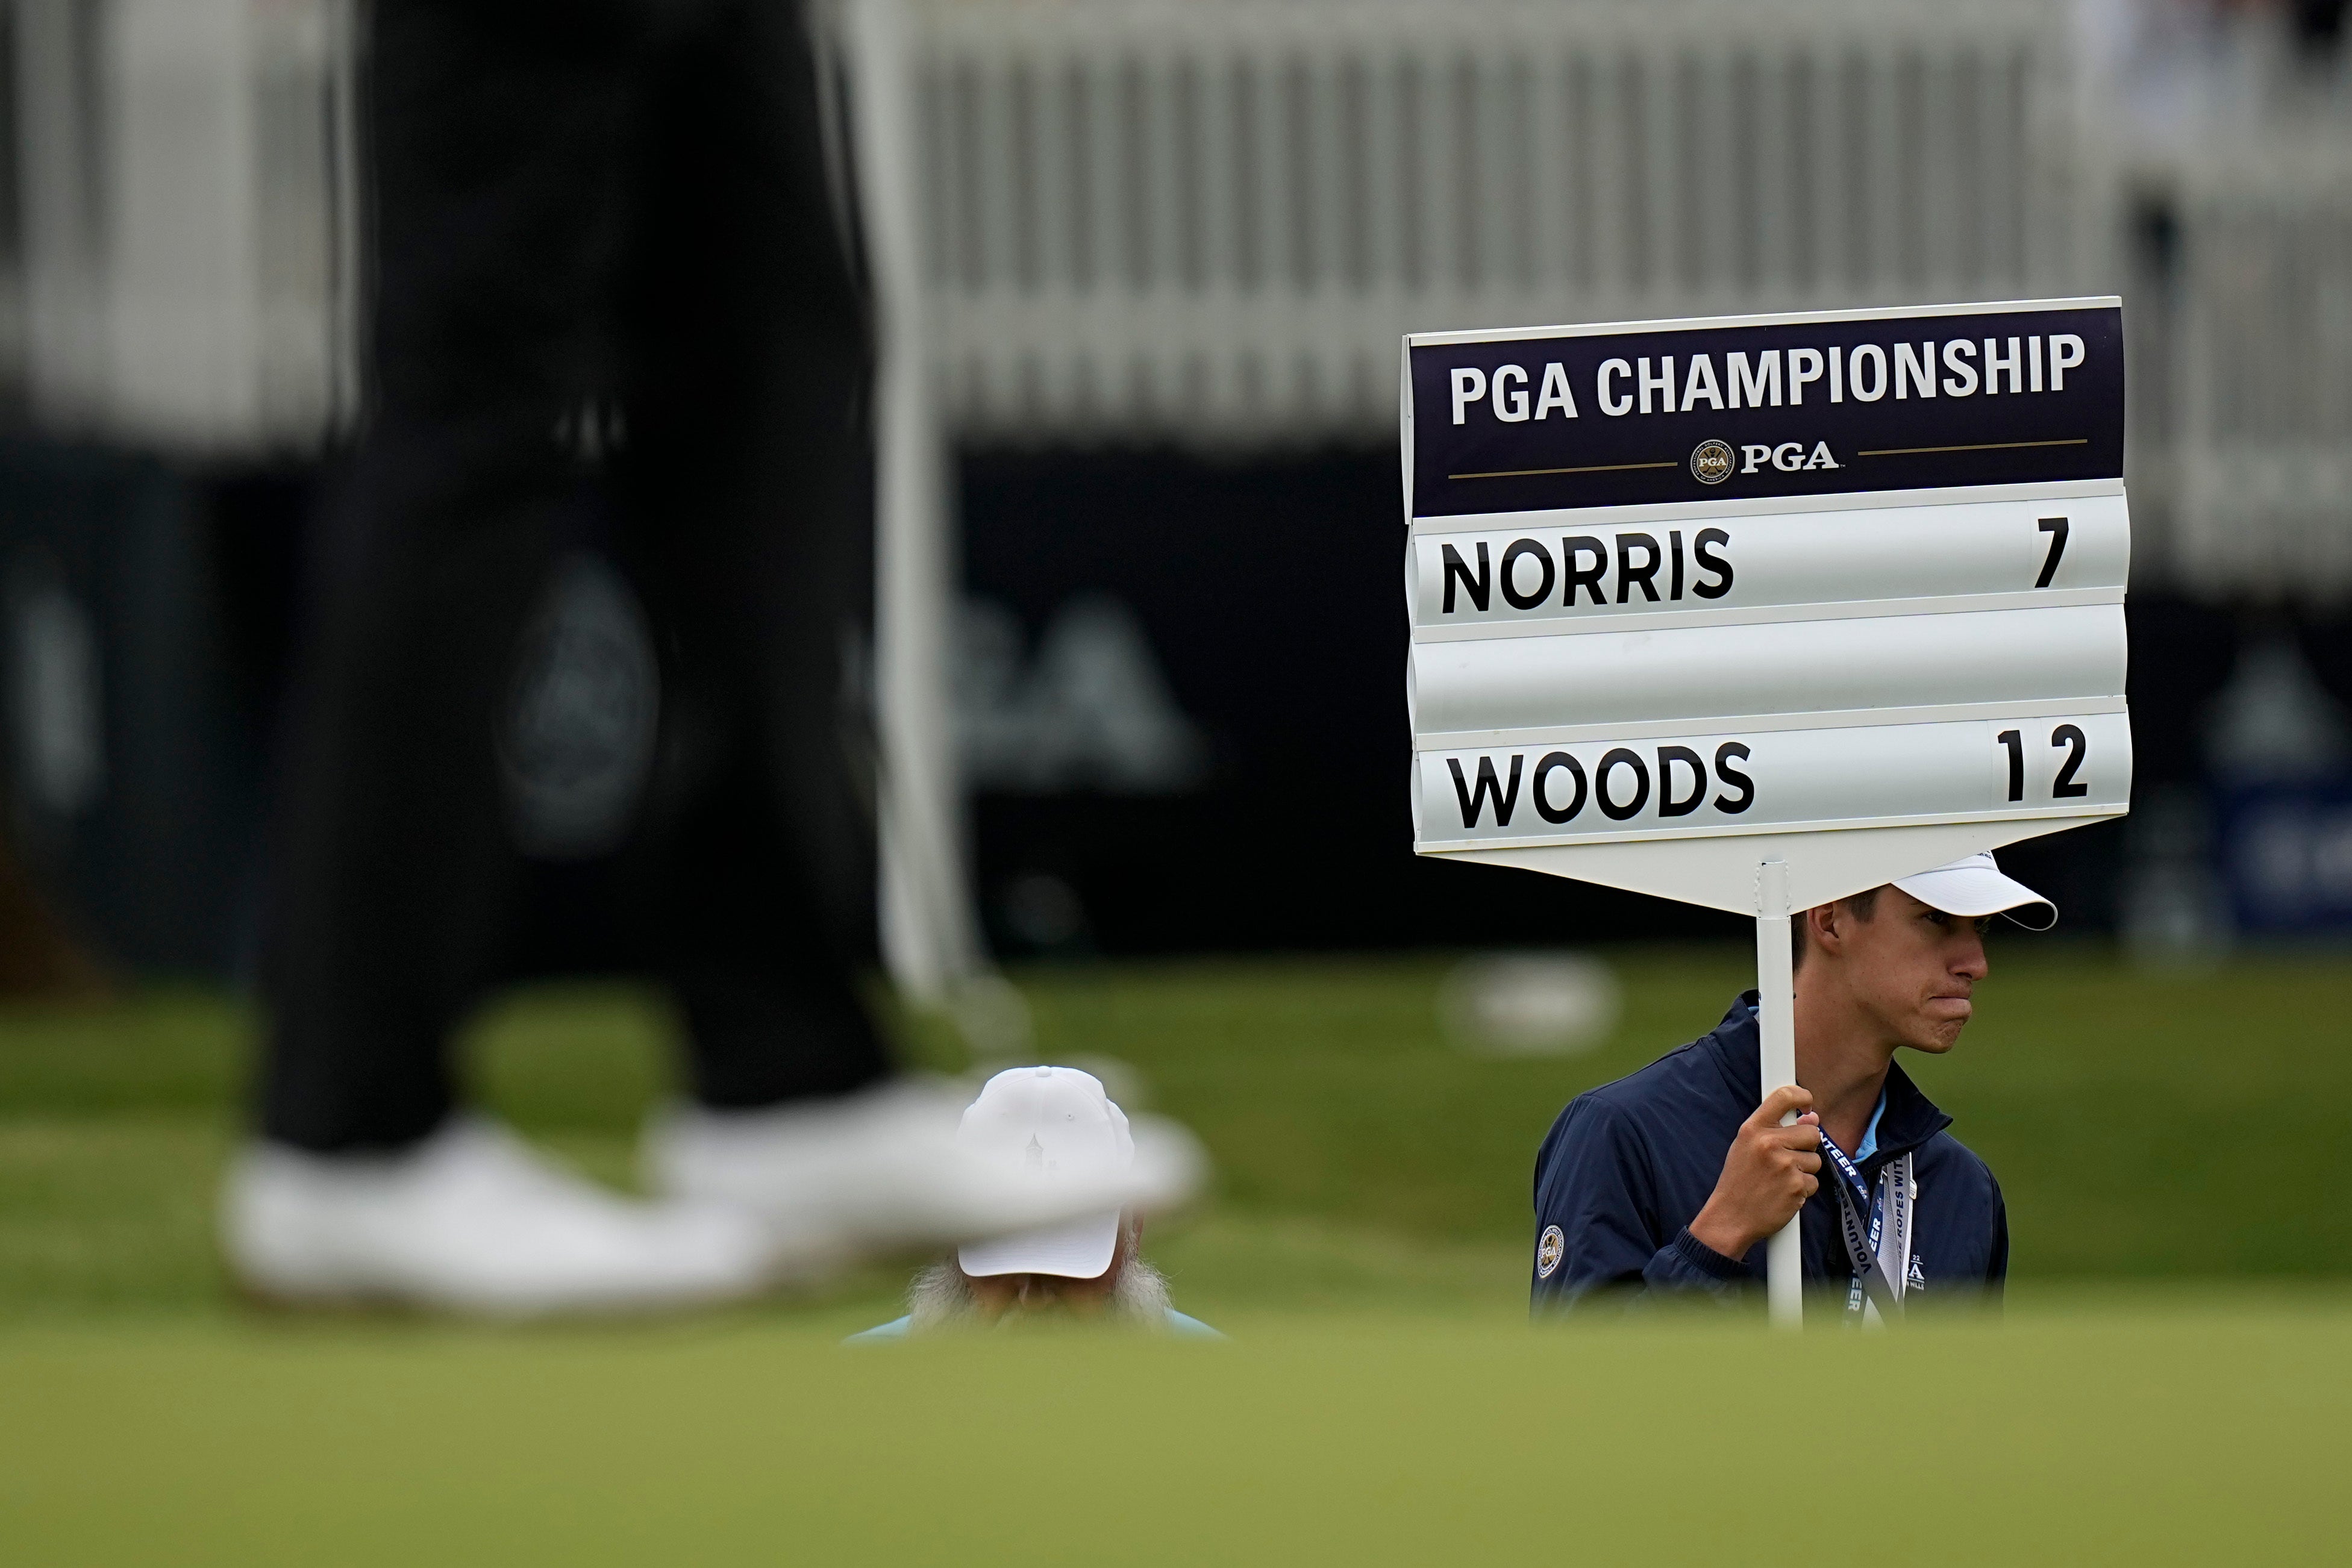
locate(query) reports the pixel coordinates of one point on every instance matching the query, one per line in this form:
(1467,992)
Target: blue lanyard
(1870,1203)
(1845,1168)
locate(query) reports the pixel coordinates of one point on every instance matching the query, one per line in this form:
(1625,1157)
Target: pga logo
(1712,462)
(1551,1248)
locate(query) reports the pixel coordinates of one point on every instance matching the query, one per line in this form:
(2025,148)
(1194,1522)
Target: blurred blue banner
(2285,853)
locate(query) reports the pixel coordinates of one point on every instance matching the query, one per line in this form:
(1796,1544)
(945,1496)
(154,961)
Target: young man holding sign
(1670,1180)
(1766,611)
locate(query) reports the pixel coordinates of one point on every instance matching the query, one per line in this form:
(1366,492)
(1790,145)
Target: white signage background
(1862,634)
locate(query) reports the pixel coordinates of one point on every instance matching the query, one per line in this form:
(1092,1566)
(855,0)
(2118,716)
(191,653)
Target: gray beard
(940,1297)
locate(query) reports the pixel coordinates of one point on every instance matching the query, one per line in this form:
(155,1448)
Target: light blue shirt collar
(1870,1134)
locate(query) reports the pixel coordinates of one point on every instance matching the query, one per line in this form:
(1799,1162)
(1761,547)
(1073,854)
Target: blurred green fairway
(2170,1383)
(2199,1433)
(2143,1124)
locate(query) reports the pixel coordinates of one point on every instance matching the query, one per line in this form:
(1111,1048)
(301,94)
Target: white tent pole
(1776,1015)
(930,937)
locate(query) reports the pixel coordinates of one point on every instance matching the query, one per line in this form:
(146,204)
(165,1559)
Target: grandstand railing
(2260,450)
(187,269)
(1212,220)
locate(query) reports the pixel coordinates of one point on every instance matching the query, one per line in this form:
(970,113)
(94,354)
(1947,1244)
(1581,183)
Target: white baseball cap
(1048,1124)
(1975,886)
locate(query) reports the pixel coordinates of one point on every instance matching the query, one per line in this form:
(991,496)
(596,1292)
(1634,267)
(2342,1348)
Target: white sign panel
(1843,591)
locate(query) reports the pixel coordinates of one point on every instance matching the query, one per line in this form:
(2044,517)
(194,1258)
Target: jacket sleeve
(1595,1189)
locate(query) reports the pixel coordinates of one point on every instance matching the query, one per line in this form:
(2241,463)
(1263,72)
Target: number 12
(2066,785)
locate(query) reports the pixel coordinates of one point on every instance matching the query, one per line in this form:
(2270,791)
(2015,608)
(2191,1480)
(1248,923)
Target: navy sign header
(1784,407)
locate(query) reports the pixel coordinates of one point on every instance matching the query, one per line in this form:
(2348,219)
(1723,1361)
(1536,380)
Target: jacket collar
(1911,1118)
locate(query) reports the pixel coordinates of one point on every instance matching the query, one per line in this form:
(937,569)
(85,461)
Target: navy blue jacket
(1628,1165)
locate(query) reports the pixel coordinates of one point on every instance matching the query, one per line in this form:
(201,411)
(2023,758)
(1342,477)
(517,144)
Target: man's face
(1911,969)
(997,1297)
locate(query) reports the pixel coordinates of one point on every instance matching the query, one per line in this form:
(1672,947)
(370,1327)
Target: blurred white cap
(1048,1124)
(1976,886)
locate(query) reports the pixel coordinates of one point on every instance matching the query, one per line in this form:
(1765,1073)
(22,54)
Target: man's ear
(1828,927)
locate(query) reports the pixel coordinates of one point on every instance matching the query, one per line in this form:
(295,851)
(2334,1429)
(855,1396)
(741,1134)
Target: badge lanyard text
(1870,1244)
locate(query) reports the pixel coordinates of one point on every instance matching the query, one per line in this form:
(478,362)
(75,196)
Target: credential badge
(1548,1248)
(1712,463)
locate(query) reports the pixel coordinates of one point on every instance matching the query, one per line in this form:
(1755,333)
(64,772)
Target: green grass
(2171,1383)
(2198,1434)
(2143,1124)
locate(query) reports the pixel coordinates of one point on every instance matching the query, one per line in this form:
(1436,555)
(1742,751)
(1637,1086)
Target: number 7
(2056,528)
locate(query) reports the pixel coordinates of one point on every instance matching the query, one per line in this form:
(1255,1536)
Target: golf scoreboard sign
(1839,592)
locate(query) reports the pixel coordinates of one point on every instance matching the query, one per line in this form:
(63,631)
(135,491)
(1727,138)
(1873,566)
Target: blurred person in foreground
(1668,1182)
(614,317)
(1046,1123)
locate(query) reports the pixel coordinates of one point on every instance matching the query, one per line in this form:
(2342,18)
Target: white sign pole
(1776,1018)
(931,939)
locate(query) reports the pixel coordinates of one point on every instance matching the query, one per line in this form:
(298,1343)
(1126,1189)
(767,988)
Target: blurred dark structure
(1169,253)
(2319,23)
(132,747)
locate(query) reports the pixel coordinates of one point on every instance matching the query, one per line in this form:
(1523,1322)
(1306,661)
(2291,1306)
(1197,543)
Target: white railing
(188,272)
(1212,220)
(2260,444)
(1208,222)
